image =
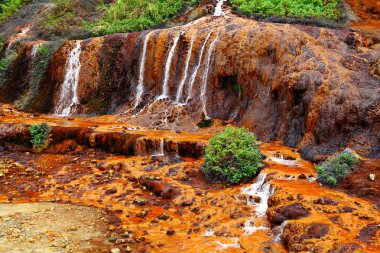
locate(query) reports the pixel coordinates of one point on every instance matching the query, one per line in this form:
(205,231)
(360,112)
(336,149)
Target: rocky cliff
(314,88)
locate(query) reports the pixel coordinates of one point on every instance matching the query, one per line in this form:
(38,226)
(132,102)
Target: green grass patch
(9,7)
(232,156)
(124,16)
(321,9)
(336,168)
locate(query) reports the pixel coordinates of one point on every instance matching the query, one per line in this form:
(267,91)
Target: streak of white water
(218,9)
(261,189)
(140,85)
(161,150)
(280,231)
(195,72)
(185,74)
(280,159)
(34,50)
(165,86)
(223,246)
(205,77)
(69,90)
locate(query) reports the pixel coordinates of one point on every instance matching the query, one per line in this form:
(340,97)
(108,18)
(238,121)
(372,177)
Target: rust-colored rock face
(314,88)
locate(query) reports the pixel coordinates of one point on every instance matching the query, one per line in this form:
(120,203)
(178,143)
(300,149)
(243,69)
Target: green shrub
(232,156)
(135,15)
(336,168)
(40,136)
(9,7)
(327,9)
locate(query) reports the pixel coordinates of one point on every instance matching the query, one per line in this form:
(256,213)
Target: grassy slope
(136,15)
(322,9)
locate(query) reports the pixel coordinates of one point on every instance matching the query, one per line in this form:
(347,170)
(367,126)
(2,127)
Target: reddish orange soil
(163,203)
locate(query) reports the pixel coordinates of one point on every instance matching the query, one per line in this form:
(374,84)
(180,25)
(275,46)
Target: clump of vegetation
(136,15)
(40,136)
(8,7)
(68,19)
(5,64)
(336,168)
(326,9)
(232,156)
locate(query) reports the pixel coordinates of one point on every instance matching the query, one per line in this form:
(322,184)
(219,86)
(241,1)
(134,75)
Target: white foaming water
(262,190)
(205,77)
(209,232)
(34,50)
(185,74)
(250,227)
(223,246)
(165,87)
(195,72)
(280,159)
(140,85)
(280,231)
(218,9)
(161,150)
(69,99)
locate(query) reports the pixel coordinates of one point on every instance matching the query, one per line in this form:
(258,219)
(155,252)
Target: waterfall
(34,50)
(69,90)
(160,151)
(205,77)
(165,87)
(261,189)
(280,231)
(140,85)
(195,72)
(185,74)
(218,9)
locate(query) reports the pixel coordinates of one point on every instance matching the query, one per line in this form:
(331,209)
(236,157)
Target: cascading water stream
(34,50)
(140,85)
(69,99)
(195,72)
(218,8)
(263,191)
(165,86)
(185,74)
(205,77)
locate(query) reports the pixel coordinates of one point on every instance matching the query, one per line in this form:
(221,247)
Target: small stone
(372,177)
(128,249)
(163,216)
(139,201)
(111,228)
(170,231)
(112,239)
(115,250)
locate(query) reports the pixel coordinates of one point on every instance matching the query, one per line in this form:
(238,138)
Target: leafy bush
(327,9)
(9,7)
(135,15)
(232,156)
(40,136)
(336,168)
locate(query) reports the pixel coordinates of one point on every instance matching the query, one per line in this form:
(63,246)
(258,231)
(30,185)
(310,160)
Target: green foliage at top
(326,9)
(232,156)
(40,136)
(9,7)
(68,19)
(136,15)
(336,168)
